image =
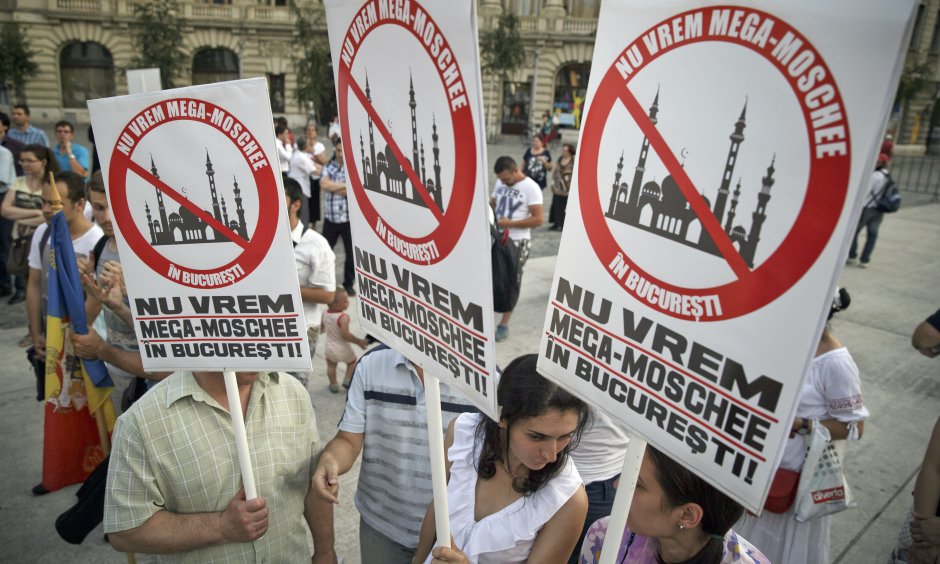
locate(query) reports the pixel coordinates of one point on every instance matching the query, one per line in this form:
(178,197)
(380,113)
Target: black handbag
(505,259)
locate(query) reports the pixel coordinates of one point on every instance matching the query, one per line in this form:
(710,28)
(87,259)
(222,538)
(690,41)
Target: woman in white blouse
(831,397)
(513,492)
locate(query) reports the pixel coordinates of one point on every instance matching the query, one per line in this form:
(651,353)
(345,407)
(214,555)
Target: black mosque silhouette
(663,209)
(383,174)
(184,227)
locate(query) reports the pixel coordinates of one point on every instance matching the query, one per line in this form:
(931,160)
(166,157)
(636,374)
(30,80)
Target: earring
(681,526)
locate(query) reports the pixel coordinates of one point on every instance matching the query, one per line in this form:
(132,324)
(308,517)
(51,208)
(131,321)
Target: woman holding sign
(513,492)
(675,516)
(831,397)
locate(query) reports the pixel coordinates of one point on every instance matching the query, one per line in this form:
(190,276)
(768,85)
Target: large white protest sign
(408,91)
(721,163)
(199,215)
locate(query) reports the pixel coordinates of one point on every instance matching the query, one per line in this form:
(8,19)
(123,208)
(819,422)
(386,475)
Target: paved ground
(901,388)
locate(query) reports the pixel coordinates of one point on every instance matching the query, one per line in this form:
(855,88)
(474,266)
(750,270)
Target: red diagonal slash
(709,222)
(183,201)
(384,132)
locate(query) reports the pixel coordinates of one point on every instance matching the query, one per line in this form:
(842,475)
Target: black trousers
(332,232)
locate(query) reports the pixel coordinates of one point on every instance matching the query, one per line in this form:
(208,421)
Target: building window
(527,7)
(918,29)
(276,91)
(584,8)
(215,65)
(516,97)
(87,73)
(935,38)
(570,90)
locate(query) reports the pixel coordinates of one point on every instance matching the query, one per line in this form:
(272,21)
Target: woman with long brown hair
(23,201)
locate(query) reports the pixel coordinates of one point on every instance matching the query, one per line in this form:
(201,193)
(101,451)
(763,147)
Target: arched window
(87,72)
(570,91)
(215,65)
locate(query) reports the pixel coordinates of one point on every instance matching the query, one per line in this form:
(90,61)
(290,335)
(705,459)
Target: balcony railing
(79,5)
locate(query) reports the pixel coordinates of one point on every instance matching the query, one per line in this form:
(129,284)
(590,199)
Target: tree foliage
(16,59)
(914,78)
(158,38)
(501,49)
(312,61)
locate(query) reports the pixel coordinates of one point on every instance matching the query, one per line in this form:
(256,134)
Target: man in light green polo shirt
(174,485)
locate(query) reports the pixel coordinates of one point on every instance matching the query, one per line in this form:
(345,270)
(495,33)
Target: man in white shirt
(302,168)
(85,236)
(517,203)
(284,147)
(872,215)
(318,150)
(316,269)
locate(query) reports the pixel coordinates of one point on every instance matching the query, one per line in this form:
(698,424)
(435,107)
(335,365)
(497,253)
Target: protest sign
(199,216)
(416,184)
(722,160)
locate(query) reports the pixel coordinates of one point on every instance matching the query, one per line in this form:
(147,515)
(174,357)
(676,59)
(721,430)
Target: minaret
(616,188)
(224,212)
(153,236)
(760,214)
(216,212)
(362,151)
(438,191)
(736,138)
(422,174)
(414,127)
(633,202)
(371,136)
(164,224)
(240,211)
(734,206)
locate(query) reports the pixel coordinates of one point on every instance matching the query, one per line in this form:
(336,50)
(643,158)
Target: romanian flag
(76,389)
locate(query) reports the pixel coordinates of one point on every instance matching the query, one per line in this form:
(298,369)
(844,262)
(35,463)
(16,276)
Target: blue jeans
(600,501)
(870,220)
(376,548)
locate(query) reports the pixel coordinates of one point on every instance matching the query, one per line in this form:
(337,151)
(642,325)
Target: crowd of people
(537,485)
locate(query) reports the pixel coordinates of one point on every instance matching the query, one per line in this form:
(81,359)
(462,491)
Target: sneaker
(40,489)
(18,297)
(851,261)
(863,265)
(502,333)
(334,388)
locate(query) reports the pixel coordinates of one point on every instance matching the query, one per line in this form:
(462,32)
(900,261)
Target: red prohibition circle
(268,199)
(457,211)
(806,239)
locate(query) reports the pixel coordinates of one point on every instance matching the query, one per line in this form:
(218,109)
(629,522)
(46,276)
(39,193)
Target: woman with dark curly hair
(513,493)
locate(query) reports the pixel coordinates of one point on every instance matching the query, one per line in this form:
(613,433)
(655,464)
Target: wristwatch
(71,156)
(804,426)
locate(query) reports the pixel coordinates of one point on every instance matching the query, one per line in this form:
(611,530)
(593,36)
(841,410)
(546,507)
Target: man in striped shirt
(385,420)
(22,131)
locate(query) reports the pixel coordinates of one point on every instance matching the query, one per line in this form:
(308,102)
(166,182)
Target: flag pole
(99,414)
(241,436)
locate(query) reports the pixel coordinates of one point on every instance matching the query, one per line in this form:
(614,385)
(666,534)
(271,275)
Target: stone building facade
(82,45)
